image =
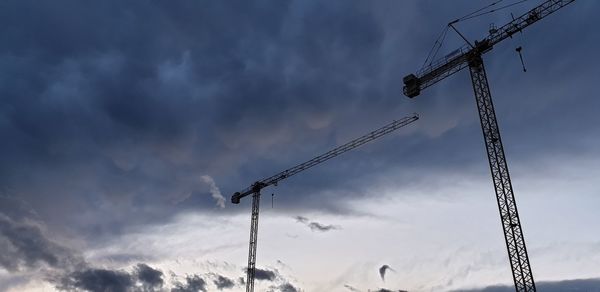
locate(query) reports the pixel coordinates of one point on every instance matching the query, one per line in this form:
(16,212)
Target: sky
(127,125)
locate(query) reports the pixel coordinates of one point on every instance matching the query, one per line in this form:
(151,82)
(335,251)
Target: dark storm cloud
(133,109)
(316,226)
(223,282)
(267,275)
(98,280)
(113,111)
(285,287)
(23,246)
(149,277)
(279,282)
(549,286)
(193,283)
(142,278)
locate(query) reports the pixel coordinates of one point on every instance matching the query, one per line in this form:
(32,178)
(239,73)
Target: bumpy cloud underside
(114,113)
(550,286)
(121,108)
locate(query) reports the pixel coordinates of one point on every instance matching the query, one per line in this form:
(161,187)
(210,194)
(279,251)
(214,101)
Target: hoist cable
(436,47)
(493,10)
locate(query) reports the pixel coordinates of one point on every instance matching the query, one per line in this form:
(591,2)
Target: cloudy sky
(126,126)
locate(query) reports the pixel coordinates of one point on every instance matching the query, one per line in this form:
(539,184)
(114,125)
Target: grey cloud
(9,282)
(267,275)
(280,283)
(193,283)
(24,246)
(97,280)
(321,227)
(548,286)
(16,208)
(223,282)
(351,288)
(142,278)
(150,278)
(117,118)
(301,219)
(134,118)
(285,287)
(316,226)
(214,191)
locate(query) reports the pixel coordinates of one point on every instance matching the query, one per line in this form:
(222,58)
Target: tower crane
(470,56)
(256,187)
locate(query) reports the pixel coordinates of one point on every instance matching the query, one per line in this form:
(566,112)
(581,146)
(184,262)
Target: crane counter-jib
(274,179)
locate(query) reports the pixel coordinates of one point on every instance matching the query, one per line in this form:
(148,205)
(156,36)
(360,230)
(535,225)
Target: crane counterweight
(235,199)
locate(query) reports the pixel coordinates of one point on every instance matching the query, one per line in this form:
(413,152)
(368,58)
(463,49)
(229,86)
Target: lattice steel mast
(256,187)
(471,56)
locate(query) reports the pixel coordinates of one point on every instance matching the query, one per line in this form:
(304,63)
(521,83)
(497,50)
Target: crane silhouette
(470,56)
(256,187)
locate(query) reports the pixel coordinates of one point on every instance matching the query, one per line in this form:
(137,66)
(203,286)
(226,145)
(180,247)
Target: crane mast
(256,187)
(471,56)
(509,216)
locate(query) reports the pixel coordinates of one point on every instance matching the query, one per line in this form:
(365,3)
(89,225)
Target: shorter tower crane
(256,187)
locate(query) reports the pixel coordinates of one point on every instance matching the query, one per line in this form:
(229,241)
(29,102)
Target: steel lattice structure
(253,241)
(445,67)
(471,56)
(256,187)
(515,242)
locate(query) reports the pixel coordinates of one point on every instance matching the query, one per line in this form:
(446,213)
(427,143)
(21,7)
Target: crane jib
(454,62)
(274,179)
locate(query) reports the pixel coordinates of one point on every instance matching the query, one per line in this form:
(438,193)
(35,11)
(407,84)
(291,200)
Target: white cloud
(214,191)
(441,236)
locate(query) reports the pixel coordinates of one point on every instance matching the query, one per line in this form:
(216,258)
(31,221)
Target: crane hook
(519,49)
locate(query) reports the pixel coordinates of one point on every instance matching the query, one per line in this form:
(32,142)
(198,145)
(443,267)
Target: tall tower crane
(471,56)
(256,187)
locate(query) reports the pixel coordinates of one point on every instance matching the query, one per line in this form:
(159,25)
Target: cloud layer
(117,116)
(550,286)
(316,226)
